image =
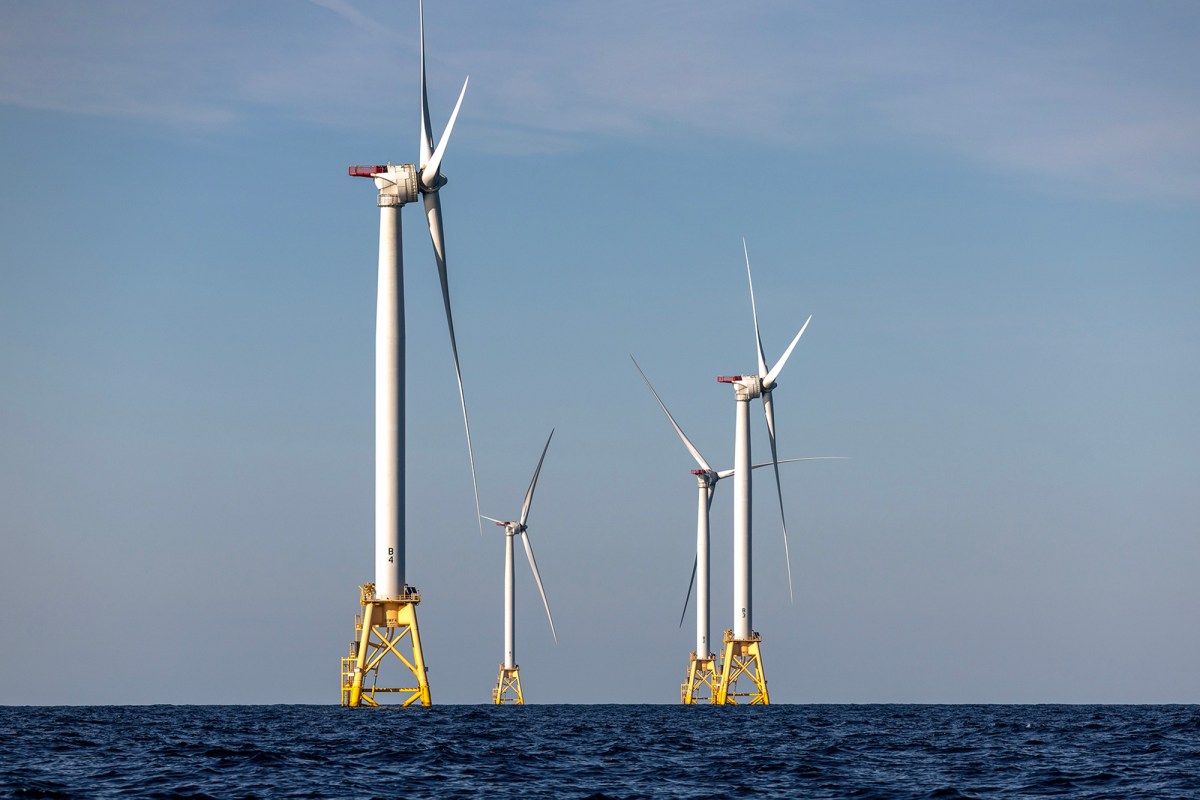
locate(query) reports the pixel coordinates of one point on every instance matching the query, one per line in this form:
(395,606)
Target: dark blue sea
(598,751)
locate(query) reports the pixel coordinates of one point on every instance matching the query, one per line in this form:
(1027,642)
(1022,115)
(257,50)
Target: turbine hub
(433,185)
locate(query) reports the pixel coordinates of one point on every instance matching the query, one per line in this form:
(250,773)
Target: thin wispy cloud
(348,12)
(197,67)
(1103,96)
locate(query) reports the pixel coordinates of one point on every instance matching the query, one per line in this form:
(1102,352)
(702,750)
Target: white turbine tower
(742,654)
(389,604)
(701,684)
(508,684)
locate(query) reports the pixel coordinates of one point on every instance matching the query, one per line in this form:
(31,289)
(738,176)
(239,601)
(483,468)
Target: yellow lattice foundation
(742,658)
(508,687)
(701,684)
(385,626)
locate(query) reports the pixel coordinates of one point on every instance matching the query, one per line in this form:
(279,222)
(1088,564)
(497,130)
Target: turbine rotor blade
(532,485)
(686,442)
(726,473)
(769,410)
(426,131)
(806,458)
(431,172)
(536,575)
(492,519)
(688,599)
(433,212)
(762,357)
(769,381)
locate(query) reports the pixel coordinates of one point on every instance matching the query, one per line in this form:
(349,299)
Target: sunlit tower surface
(387,625)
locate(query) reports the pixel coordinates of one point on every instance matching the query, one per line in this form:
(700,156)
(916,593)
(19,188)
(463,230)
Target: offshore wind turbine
(508,684)
(702,674)
(742,654)
(701,684)
(389,604)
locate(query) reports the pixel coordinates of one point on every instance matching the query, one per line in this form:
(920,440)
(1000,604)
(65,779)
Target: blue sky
(990,210)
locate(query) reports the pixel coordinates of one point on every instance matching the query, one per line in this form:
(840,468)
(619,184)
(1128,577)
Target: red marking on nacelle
(728,378)
(503,524)
(366,171)
(699,472)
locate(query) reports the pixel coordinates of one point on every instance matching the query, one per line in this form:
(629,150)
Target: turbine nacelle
(511,527)
(747,387)
(397,183)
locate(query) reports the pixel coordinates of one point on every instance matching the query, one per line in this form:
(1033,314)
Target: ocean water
(601,751)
